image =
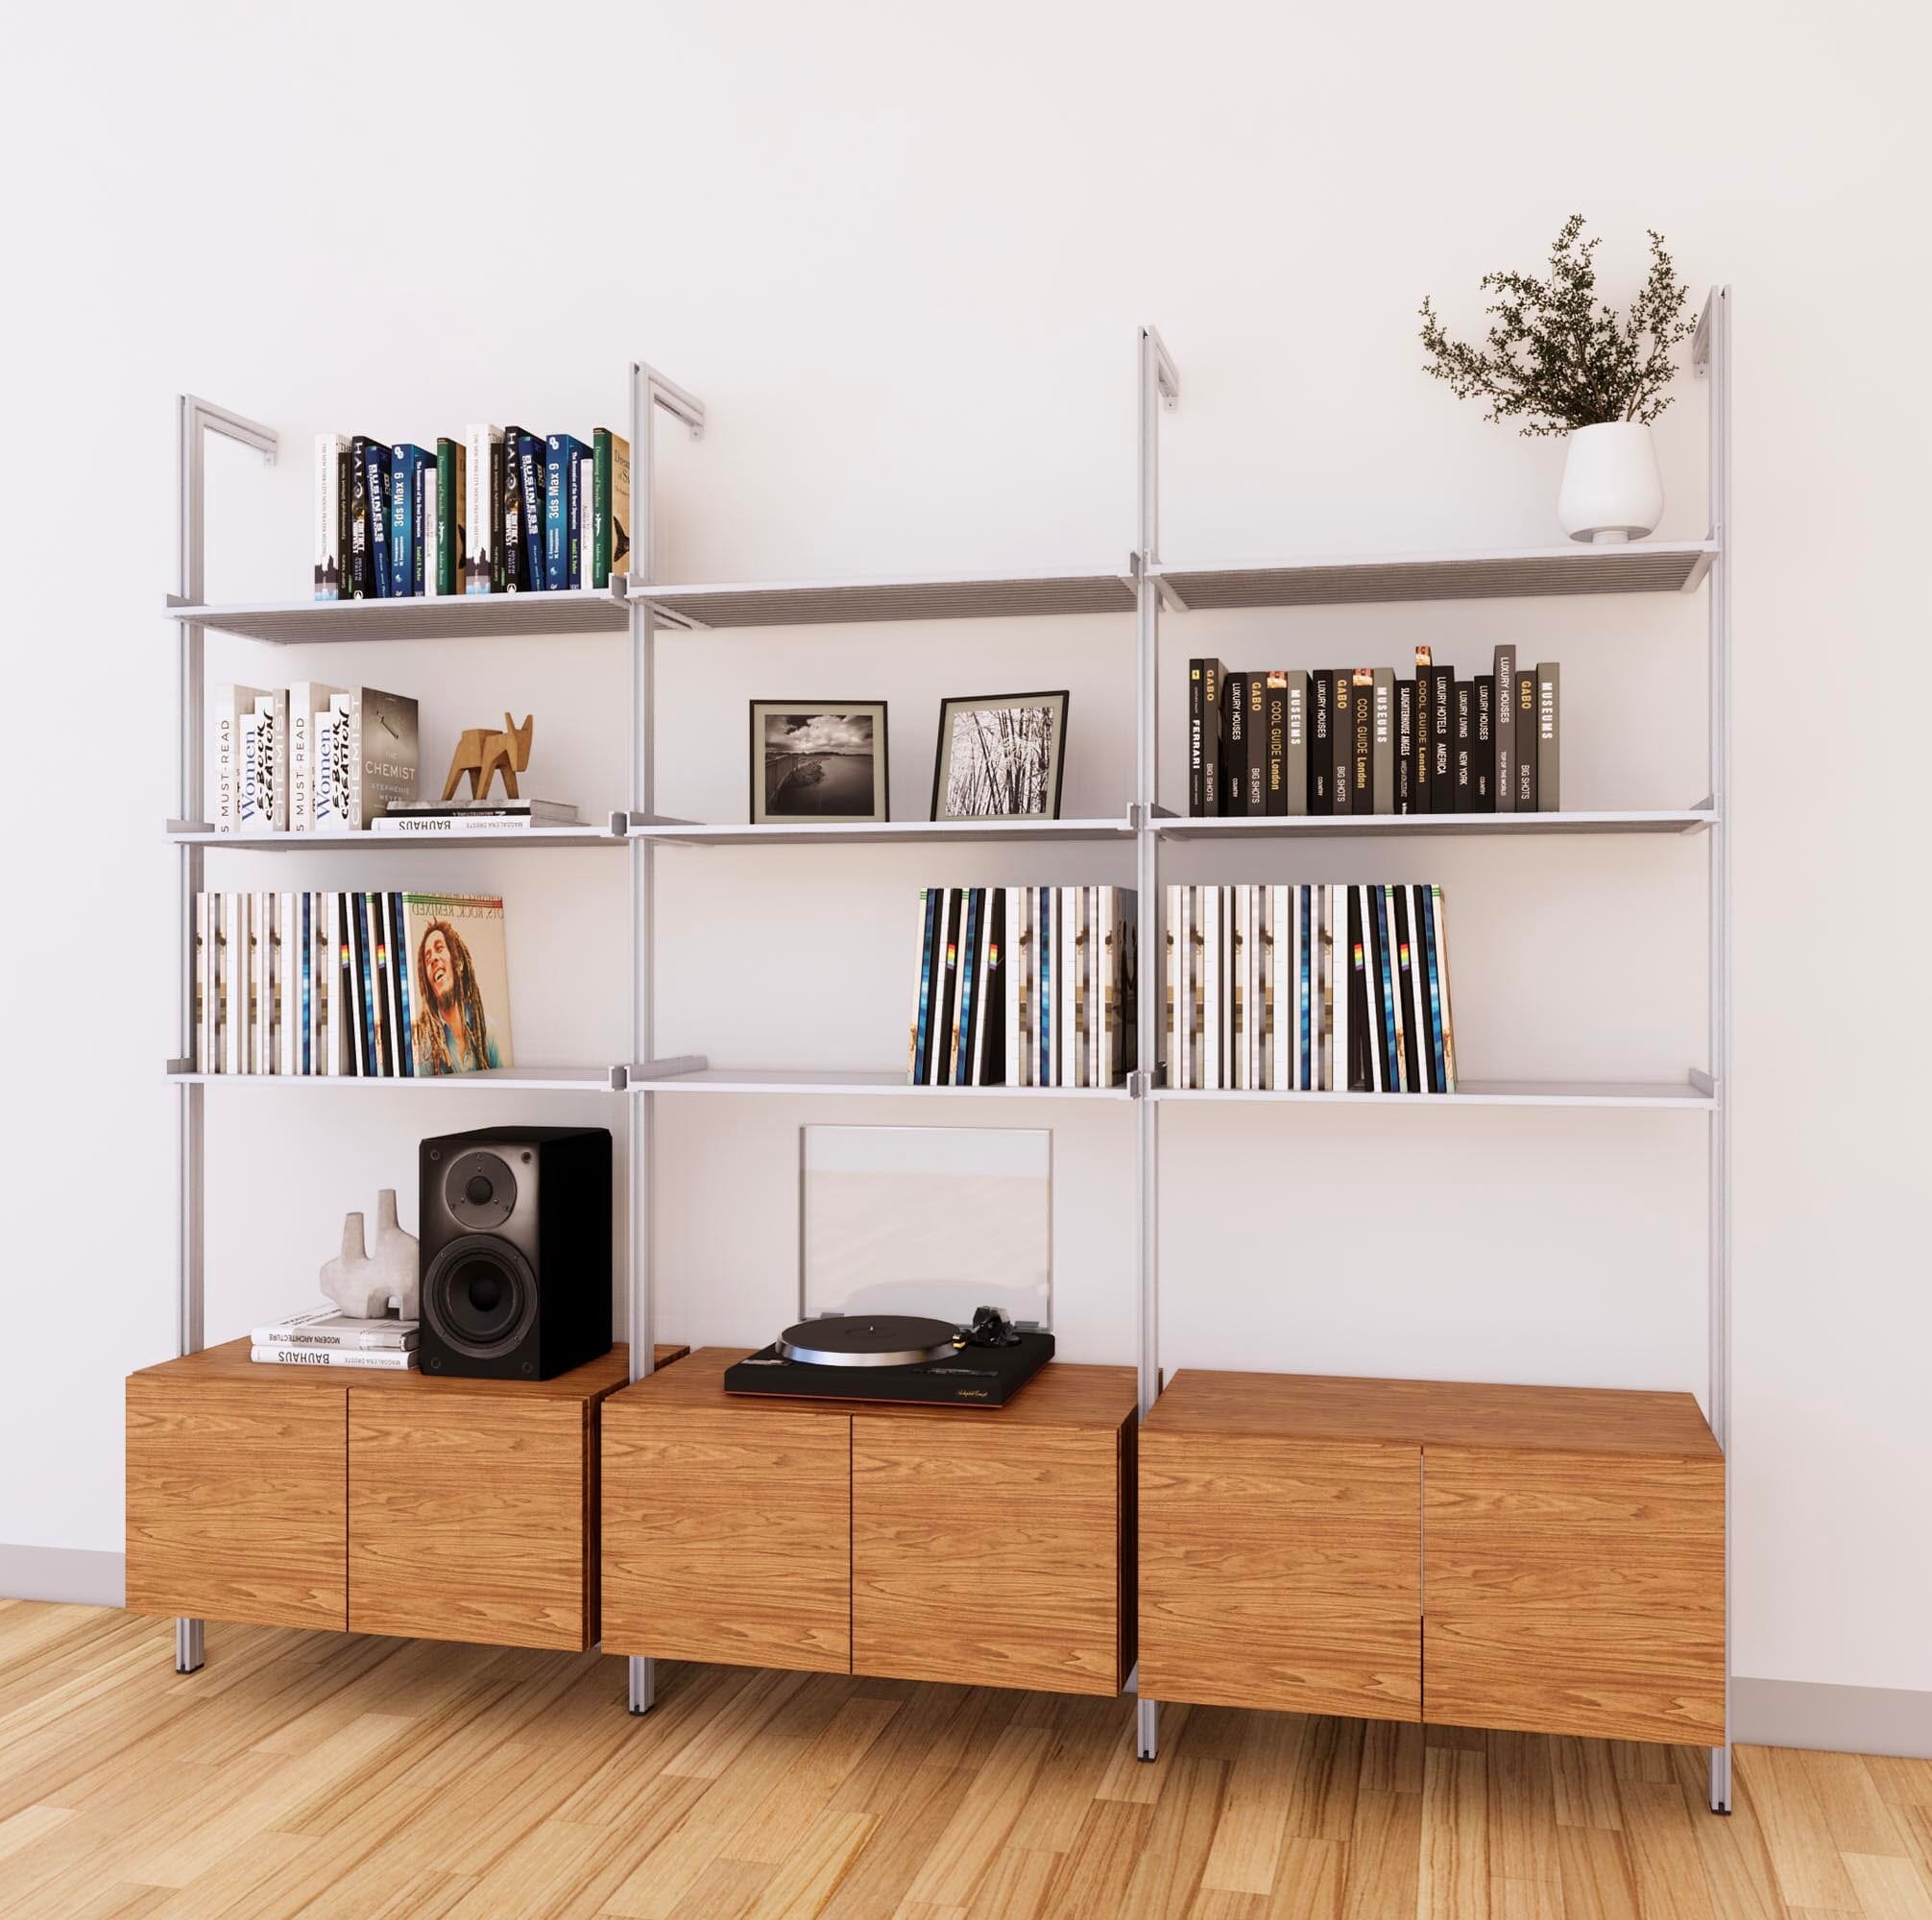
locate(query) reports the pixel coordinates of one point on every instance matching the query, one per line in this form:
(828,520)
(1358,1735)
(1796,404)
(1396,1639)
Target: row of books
(500,510)
(1364,740)
(1308,989)
(1024,987)
(376,985)
(325,1337)
(310,758)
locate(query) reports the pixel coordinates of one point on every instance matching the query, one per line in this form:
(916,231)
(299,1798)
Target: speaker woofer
(479,1296)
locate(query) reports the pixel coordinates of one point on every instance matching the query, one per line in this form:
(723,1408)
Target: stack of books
(1309,990)
(475,816)
(500,510)
(1024,987)
(310,758)
(1348,740)
(326,1339)
(380,986)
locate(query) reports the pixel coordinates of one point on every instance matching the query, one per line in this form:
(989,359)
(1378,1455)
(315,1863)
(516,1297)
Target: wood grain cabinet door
(727,1535)
(988,1553)
(469,1518)
(236,1503)
(1281,1574)
(1575,1593)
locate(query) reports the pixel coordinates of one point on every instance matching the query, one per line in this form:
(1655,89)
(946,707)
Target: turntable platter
(874,1340)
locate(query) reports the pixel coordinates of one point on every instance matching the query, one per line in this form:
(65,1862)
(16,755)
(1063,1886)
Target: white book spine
(1442,973)
(1281,1019)
(480,510)
(263,931)
(325,1356)
(330,449)
(1344,973)
(1067,1012)
(456,824)
(1180,1069)
(432,522)
(223,717)
(233,987)
(275,802)
(335,1002)
(587,516)
(203,1062)
(1210,987)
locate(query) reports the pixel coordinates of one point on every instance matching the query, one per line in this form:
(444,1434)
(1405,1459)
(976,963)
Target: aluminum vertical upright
(649,391)
(1711,357)
(1160,385)
(193,418)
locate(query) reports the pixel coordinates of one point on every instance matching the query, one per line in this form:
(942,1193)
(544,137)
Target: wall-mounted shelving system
(1143,584)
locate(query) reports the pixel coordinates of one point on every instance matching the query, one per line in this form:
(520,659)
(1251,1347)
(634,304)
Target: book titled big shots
(1024,987)
(387,986)
(500,510)
(1310,989)
(1349,740)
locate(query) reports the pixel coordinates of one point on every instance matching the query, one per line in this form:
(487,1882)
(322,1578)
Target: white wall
(901,256)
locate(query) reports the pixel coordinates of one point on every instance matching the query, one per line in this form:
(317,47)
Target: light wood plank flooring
(368,1779)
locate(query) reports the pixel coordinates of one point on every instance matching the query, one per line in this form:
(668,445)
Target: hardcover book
(1442,740)
(1320,741)
(483,509)
(1257,745)
(1463,766)
(1405,747)
(453,517)
(1234,745)
(1549,736)
(1485,743)
(563,460)
(1425,798)
(331,450)
(1213,677)
(1297,762)
(1527,795)
(1342,731)
(458,984)
(1382,742)
(610,539)
(1504,681)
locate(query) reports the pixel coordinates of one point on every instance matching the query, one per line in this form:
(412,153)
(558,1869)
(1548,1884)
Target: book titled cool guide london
(1363,740)
(357,985)
(483,511)
(1308,989)
(1023,987)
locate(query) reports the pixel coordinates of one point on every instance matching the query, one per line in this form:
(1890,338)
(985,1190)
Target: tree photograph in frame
(1001,756)
(818,761)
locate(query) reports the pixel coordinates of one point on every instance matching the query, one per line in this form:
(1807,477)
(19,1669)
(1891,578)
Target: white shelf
(1344,826)
(952,596)
(1685,1096)
(788,1080)
(448,616)
(518,1079)
(879,832)
(1503,573)
(581,835)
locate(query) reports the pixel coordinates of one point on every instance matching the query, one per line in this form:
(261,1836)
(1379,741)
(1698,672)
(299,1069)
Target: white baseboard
(62,1574)
(1836,1719)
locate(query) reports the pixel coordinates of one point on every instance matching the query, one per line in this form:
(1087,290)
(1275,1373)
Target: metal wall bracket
(672,1067)
(1139,1084)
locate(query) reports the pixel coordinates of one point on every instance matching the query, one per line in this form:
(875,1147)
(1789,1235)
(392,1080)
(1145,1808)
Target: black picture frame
(761,812)
(1055,778)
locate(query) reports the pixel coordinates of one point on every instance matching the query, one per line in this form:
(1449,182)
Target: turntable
(897,1356)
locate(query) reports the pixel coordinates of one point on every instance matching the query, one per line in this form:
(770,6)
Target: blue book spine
(422,487)
(402,548)
(405,1061)
(376,462)
(556,515)
(1304,966)
(1048,1053)
(923,1031)
(1384,913)
(969,986)
(305,1063)
(531,471)
(360,905)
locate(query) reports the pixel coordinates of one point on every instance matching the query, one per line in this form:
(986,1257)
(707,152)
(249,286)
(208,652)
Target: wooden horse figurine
(483,753)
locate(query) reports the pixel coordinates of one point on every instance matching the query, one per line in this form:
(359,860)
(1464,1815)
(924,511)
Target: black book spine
(361,568)
(1405,987)
(1296,768)
(1195,807)
(1362,745)
(1342,729)
(1549,737)
(1257,744)
(1464,762)
(1485,743)
(1405,747)
(1376,954)
(345,510)
(1212,673)
(1276,736)
(499,481)
(1320,750)
(1361,1076)
(1419,959)
(1505,683)
(993,1049)
(515,574)
(1526,740)
(1441,739)
(1234,745)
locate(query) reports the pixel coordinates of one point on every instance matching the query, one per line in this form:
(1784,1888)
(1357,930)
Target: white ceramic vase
(1613,491)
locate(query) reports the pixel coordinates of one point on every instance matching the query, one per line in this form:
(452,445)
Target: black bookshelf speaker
(516,1252)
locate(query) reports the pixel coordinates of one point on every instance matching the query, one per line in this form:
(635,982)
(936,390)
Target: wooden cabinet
(923,1542)
(1538,1558)
(380,1502)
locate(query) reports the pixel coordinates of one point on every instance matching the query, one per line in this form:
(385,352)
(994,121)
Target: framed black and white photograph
(818,761)
(1001,756)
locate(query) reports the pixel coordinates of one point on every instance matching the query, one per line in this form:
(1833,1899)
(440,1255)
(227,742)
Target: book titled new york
(1463,768)
(562,462)
(1505,683)
(1549,736)
(1294,777)
(1234,744)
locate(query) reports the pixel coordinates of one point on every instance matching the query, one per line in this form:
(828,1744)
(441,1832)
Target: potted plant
(1564,362)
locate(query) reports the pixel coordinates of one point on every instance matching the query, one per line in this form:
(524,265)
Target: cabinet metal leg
(1147,1729)
(1719,1779)
(643,1683)
(189,1647)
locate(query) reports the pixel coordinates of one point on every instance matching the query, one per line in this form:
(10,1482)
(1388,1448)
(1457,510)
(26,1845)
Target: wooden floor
(396,1780)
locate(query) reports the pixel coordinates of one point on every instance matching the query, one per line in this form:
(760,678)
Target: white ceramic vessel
(1611,491)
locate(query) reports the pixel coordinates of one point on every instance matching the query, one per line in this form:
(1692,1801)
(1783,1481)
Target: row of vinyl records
(381,986)
(500,510)
(1308,989)
(1024,987)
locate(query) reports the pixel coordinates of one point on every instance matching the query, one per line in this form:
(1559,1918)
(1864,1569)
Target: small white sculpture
(362,1284)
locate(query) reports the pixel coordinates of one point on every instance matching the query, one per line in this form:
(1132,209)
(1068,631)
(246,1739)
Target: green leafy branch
(1556,355)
